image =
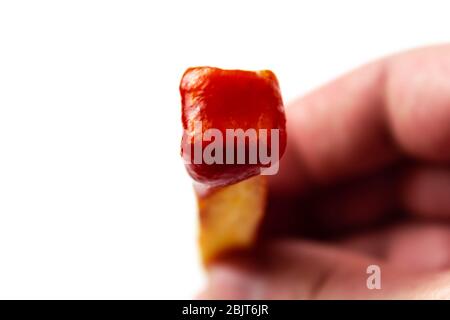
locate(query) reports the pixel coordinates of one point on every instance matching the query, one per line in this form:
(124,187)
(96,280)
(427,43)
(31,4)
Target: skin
(365,180)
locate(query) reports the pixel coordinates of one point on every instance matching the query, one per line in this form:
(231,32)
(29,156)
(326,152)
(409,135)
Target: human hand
(365,181)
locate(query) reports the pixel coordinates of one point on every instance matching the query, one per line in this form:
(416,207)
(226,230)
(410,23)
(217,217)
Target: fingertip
(418,102)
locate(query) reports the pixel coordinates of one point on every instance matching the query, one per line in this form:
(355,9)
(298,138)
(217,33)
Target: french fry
(231,195)
(230,216)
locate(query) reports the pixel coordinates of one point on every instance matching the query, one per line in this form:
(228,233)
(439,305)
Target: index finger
(366,120)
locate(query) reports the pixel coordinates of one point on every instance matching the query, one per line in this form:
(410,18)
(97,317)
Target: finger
(335,210)
(280,270)
(357,206)
(411,246)
(426,192)
(420,247)
(367,119)
(299,270)
(416,191)
(405,192)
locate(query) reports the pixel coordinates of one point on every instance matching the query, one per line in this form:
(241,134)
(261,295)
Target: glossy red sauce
(229,99)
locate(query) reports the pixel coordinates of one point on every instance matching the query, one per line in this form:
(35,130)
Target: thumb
(302,270)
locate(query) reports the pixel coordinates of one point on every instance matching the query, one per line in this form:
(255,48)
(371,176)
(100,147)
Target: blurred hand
(365,181)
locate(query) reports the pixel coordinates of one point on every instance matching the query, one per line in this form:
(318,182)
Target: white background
(94,200)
